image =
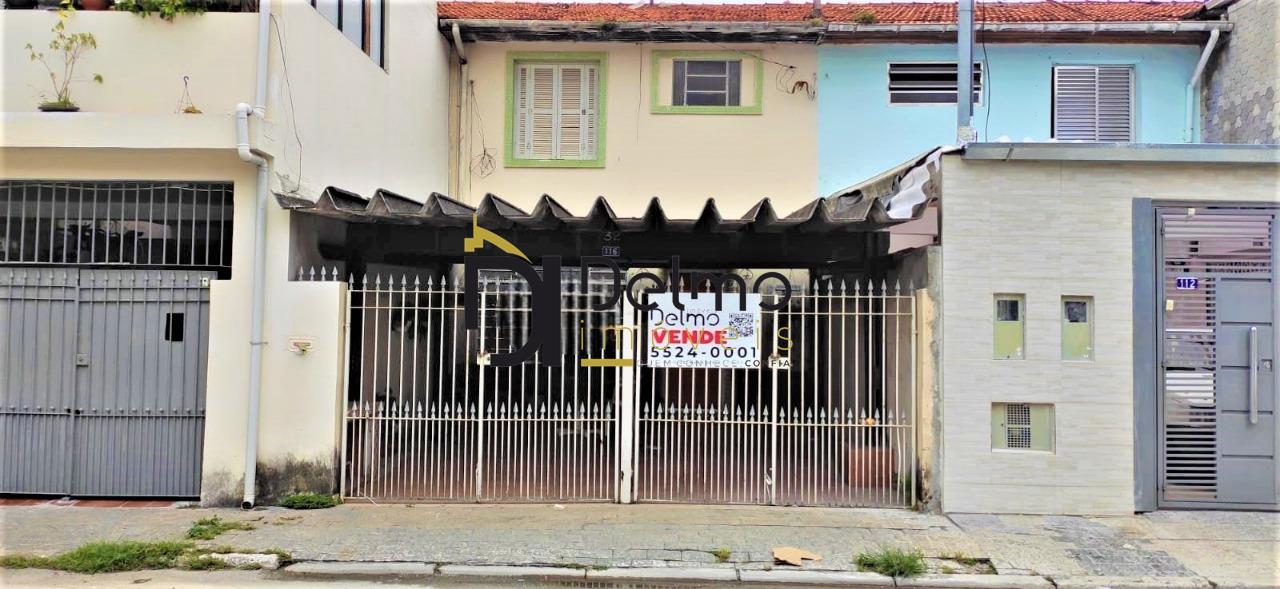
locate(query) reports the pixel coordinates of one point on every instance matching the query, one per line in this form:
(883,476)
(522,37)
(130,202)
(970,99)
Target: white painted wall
(338,119)
(1048,230)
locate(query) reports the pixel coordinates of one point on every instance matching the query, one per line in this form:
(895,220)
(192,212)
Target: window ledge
(705,110)
(526,163)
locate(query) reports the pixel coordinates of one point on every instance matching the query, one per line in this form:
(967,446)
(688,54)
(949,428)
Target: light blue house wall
(861,135)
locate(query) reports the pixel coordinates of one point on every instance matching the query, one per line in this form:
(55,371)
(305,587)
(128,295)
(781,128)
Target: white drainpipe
(243,112)
(462,150)
(1193,87)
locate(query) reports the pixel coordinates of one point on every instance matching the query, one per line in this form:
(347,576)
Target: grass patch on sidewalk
(212,527)
(892,562)
(104,557)
(309,501)
(722,554)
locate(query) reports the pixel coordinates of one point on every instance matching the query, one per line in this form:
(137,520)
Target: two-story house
(147,309)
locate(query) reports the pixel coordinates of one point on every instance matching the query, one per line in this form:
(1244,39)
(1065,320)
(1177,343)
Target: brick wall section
(1240,98)
(1049,229)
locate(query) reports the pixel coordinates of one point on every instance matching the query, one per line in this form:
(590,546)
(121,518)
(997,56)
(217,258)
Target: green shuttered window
(556,111)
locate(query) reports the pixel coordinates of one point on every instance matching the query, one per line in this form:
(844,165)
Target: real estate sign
(701,335)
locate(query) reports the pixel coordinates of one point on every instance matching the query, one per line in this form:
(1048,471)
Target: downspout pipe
(246,153)
(463,72)
(1193,86)
(964,72)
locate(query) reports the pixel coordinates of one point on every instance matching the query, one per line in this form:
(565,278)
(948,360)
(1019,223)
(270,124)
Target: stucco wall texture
(1241,98)
(1049,229)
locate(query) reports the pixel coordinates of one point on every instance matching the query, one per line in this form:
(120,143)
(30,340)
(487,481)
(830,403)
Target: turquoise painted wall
(861,135)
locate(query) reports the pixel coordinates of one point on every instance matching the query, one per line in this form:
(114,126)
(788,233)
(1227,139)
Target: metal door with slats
(1218,294)
(102,381)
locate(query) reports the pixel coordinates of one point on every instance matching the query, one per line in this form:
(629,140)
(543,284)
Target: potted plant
(67,48)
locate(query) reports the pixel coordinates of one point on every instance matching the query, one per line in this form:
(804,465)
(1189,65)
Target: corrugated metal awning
(891,198)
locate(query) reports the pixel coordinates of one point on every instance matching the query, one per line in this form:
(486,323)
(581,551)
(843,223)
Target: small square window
(1076,311)
(1007,310)
(1022,426)
(706,82)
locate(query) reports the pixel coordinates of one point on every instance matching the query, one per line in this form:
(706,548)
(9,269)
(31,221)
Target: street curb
(1133,582)
(734,575)
(816,578)
(465,570)
(975,582)
(389,569)
(664,574)
(726,575)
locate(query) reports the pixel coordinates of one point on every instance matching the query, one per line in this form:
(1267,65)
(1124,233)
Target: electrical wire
(986,73)
(293,112)
(482,164)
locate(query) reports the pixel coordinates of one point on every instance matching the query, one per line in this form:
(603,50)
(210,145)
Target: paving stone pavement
(1219,547)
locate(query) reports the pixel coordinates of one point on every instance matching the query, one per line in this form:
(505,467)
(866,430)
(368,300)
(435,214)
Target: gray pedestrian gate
(102,381)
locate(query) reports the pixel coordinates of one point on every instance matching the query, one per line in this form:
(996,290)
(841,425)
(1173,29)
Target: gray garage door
(1219,299)
(102,381)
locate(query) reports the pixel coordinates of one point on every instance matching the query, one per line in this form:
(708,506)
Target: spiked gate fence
(826,419)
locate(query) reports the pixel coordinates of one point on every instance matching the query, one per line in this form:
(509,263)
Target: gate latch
(82,359)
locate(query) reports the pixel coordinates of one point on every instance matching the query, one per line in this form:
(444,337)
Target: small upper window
(706,82)
(1093,103)
(929,82)
(361,21)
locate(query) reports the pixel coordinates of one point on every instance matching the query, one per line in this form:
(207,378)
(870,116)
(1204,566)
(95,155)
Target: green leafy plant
(893,562)
(165,9)
(865,17)
(65,51)
(722,554)
(963,559)
(309,501)
(105,557)
(212,527)
(204,562)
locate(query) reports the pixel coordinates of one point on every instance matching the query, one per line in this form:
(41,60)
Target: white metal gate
(828,420)
(428,419)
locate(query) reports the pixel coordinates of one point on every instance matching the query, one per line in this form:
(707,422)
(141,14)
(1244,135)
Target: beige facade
(681,158)
(1049,229)
(356,130)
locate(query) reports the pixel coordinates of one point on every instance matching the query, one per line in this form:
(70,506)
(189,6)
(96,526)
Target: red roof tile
(893,13)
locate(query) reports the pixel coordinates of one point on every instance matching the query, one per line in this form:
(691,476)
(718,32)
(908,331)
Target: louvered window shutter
(555,111)
(1093,103)
(1115,103)
(591,94)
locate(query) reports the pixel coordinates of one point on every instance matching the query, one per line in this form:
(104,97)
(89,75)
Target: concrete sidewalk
(1161,549)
